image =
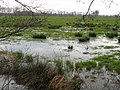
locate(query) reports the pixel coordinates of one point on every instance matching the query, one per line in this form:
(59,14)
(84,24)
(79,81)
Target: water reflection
(53,49)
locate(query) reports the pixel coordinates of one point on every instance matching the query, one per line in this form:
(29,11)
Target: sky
(70,5)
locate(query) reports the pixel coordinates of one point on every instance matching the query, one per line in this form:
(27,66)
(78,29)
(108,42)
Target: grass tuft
(39,36)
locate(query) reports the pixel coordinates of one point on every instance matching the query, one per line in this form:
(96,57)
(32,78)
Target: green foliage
(39,36)
(92,34)
(88,65)
(29,58)
(78,34)
(111,34)
(83,39)
(110,47)
(59,66)
(109,61)
(69,64)
(114,28)
(54,26)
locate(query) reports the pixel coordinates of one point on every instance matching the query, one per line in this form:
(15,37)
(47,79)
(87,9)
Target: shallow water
(58,49)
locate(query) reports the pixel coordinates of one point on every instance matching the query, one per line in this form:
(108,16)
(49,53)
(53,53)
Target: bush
(39,36)
(78,34)
(111,34)
(84,39)
(114,29)
(91,29)
(92,34)
(54,26)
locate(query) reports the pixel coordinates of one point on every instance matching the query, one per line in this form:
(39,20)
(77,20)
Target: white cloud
(73,5)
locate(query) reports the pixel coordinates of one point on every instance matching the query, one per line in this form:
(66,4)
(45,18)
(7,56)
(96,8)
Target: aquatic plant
(91,29)
(92,34)
(39,36)
(78,34)
(83,39)
(109,61)
(40,75)
(111,34)
(88,65)
(114,28)
(54,26)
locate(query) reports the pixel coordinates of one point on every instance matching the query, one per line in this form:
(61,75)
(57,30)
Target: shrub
(91,29)
(18,34)
(54,26)
(29,58)
(84,39)
(39,36)
(92,34)
(111,34)
(114,28)
(78,34)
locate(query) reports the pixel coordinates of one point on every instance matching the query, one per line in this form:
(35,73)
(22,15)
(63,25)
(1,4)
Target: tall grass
(35,74)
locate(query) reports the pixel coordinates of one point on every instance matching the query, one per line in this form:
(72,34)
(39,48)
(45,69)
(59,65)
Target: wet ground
(58,49)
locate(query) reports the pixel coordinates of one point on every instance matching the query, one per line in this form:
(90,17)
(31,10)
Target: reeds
(35,74)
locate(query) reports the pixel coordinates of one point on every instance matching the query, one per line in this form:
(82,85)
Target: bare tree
(110,2)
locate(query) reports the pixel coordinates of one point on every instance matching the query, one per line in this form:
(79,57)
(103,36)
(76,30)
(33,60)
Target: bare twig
(33,21)
(88,10)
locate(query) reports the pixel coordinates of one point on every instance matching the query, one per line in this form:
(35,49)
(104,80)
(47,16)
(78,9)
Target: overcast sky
(72,5)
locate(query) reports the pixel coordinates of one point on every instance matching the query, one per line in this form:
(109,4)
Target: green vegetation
(111,34)
(88,65)
(60,27)
(78,34)
(83,39)
(92,34)
(111,62)
(35,74)
(39,36)
(110,47)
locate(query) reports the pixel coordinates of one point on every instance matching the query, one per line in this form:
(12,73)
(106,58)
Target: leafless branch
(33,21)
(88,10)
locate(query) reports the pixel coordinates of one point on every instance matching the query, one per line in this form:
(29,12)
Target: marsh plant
(84,39)
(78,34)
(111,34)
(36,74)
(92,34)
(39,36)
